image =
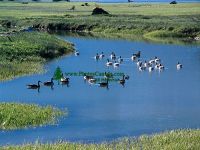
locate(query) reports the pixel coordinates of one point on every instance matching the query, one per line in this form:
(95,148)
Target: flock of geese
(90,79)
(150,65)
(63,81)
(115,61)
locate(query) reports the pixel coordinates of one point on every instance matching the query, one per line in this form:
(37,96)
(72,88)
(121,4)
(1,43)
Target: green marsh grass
(17,115)
(25,53)
(20,10)
(181,20)
(172,140)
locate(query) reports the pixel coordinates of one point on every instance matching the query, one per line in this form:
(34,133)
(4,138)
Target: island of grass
(17,115)
(25,53)
(173,140)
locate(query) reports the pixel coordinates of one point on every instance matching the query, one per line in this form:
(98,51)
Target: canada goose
(87,77)
(64,80)
(103,84)
(76,53)
(34,86)
(133,57)
(157,66)
(101,55)
(138,54)
(92,81)
(152,61)
(179,66)
(122,81)
(49,83)
(120,59)
(96,57)
(109,63)
(139,63)
(113,56)
(151,69)
(161,67)
(141,68)
(116,64)
(146,64)
(156,60)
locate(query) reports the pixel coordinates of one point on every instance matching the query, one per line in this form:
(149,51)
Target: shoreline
(26,53)
(172,139)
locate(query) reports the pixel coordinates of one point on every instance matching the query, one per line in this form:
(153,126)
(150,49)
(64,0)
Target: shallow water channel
(148,102)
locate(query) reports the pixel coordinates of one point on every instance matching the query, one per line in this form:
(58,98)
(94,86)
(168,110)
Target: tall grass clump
(31,46)
(17,115)
(24,52)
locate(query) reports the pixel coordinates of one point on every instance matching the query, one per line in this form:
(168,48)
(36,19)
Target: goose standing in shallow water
(179,66)
(34,86)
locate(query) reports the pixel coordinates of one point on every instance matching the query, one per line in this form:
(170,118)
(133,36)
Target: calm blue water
(147,104)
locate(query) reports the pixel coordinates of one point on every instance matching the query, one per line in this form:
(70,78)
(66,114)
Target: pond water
(148,103)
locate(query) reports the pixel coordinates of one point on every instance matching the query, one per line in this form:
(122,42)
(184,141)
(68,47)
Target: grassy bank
(173,140)
(15,116)
(150,20)
(25,52)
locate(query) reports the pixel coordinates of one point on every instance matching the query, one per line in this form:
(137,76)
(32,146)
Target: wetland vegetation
(25,52)
(176,139)
(149,20)
(18,115)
